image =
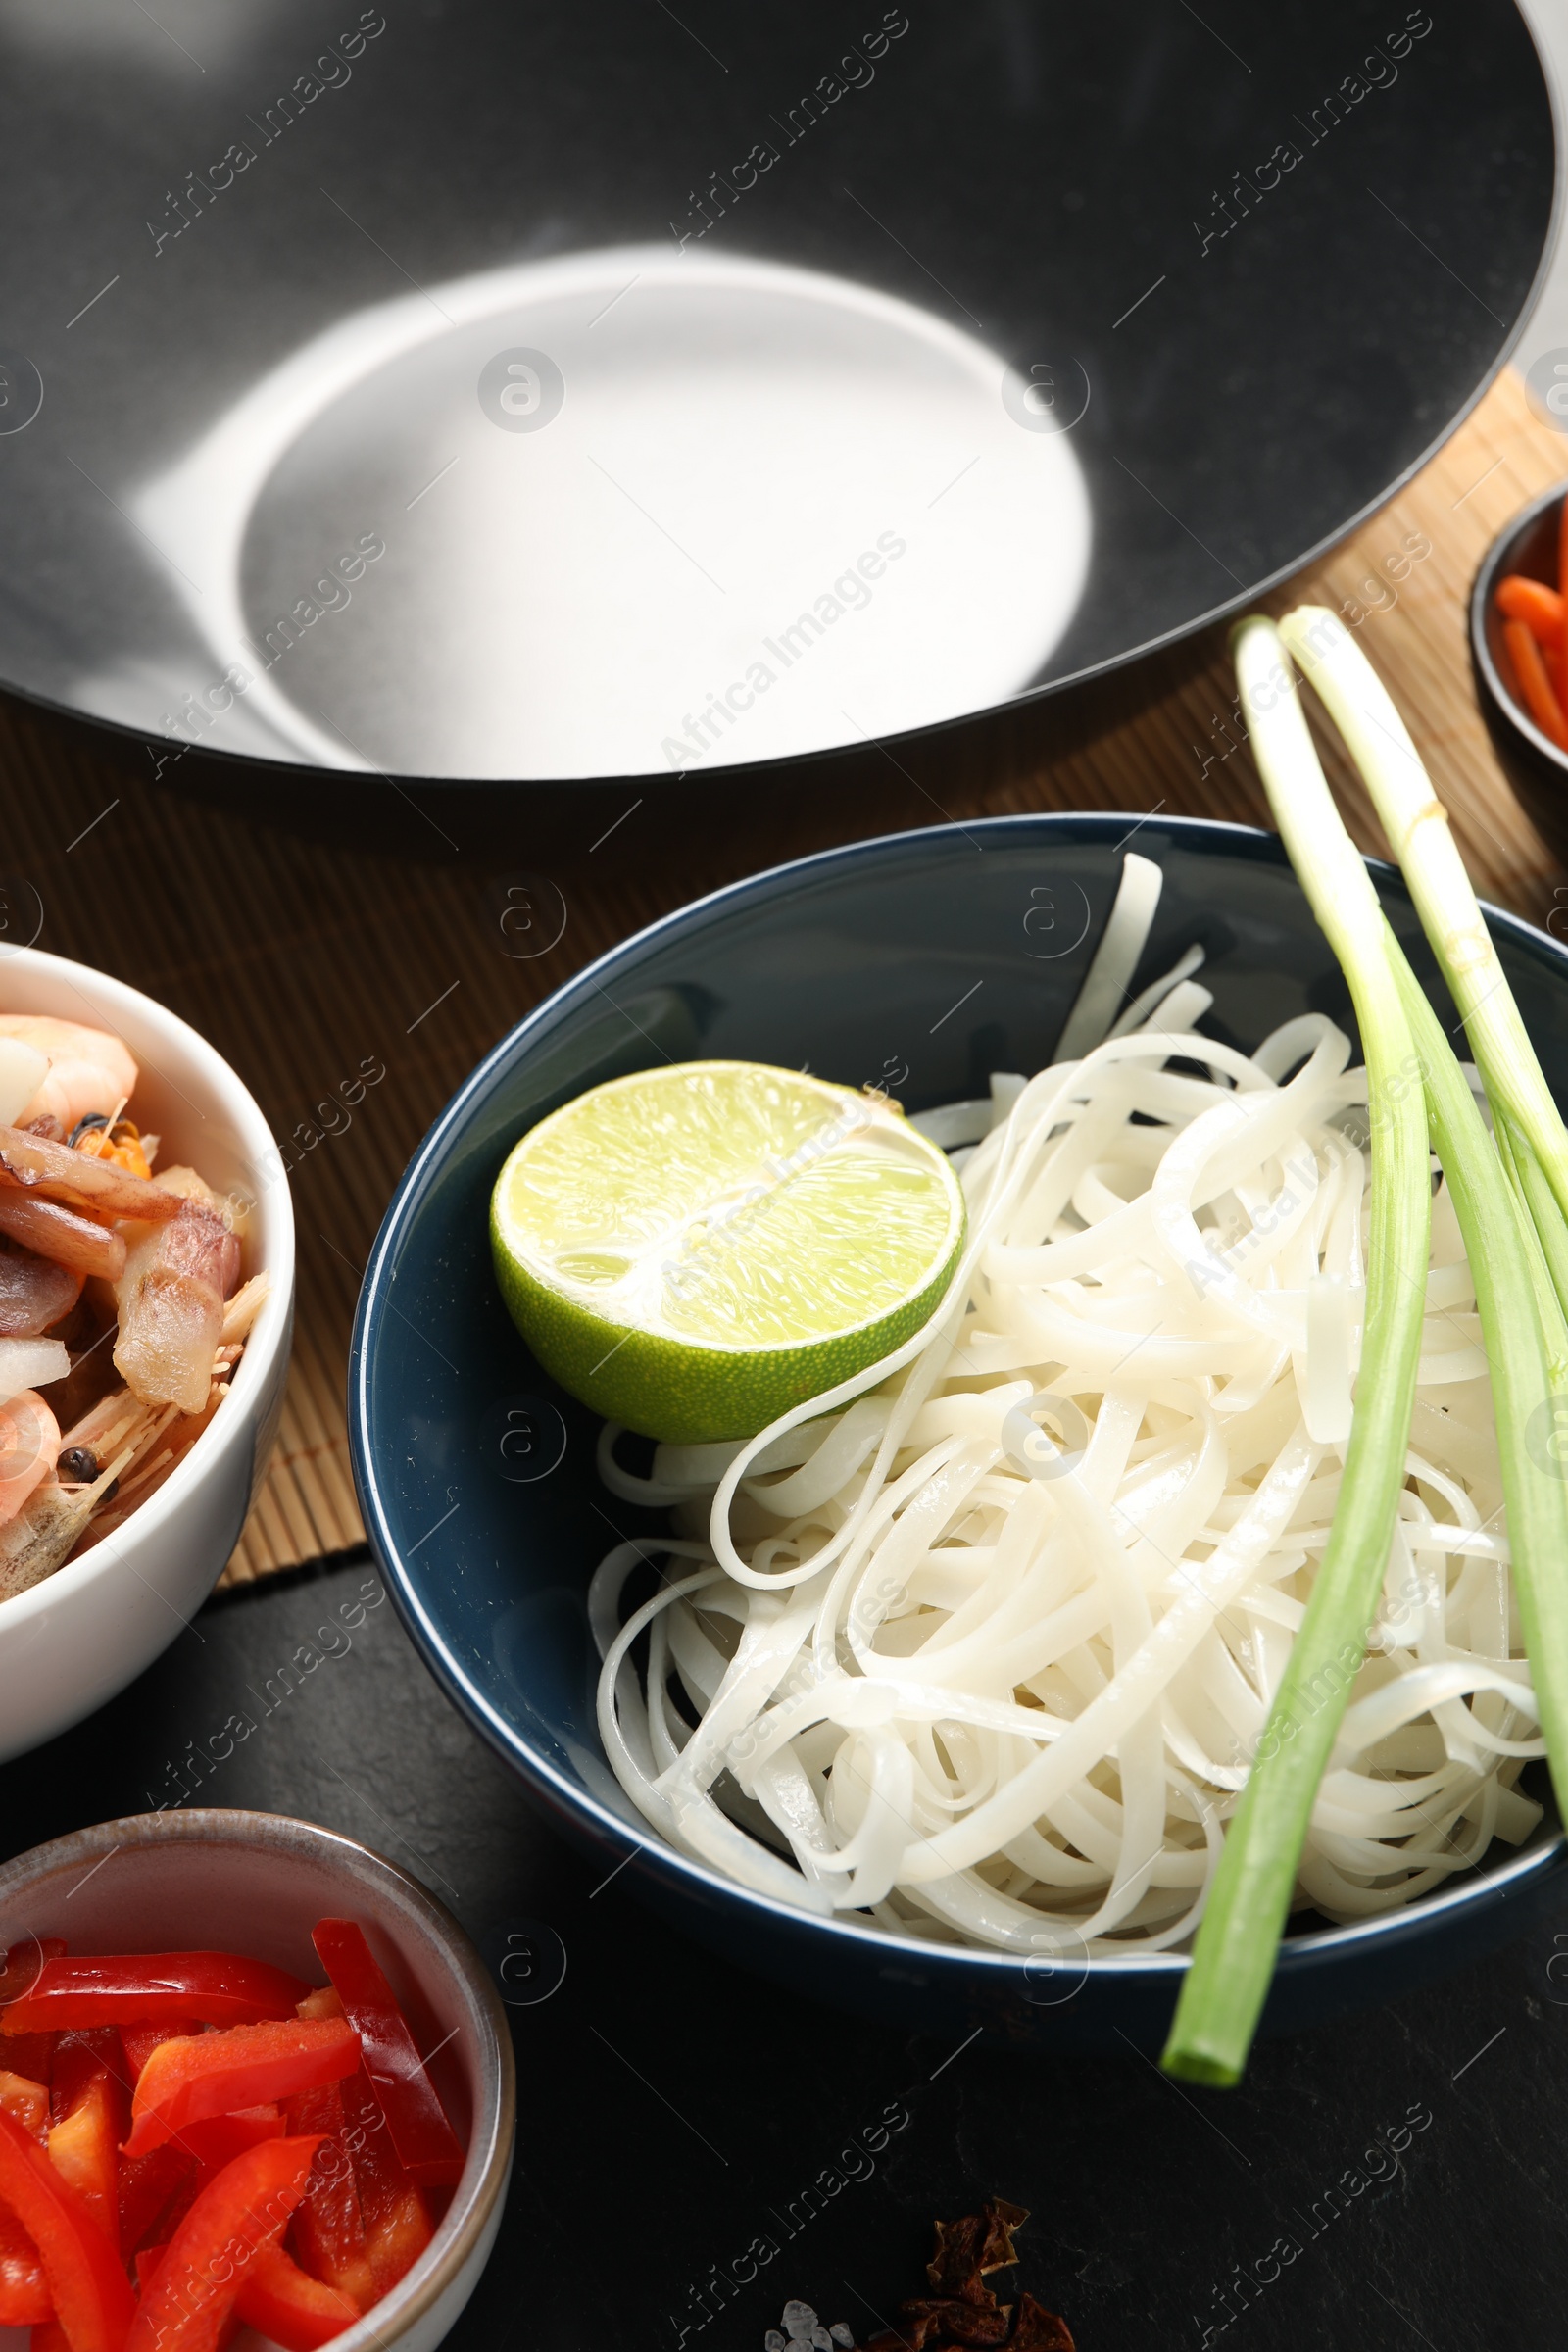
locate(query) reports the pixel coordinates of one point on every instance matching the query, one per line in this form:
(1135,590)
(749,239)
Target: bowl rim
(461,2227)
(1543,1853)
(270,1332)
(1480,653)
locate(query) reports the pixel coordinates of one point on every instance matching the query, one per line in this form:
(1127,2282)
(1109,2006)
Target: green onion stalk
(1524,1115)
(1233,1960)
(1496,1239)
(1510,1199)
(1514,1233)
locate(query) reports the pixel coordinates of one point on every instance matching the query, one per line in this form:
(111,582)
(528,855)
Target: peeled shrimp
(56,1232)
(29,1447)
(35,1294)
(171,1302)
(97,1185)
(89,1070)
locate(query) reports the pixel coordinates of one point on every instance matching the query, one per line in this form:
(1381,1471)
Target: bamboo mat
(304,962)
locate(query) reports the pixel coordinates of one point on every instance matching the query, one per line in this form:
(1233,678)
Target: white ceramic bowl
(85,1632)
(258,1883)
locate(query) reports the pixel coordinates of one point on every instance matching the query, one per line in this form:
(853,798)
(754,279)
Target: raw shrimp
(89,1070)
(33,1294)
(59,1233)
(29,1447)
(98,1185)
(171,1302)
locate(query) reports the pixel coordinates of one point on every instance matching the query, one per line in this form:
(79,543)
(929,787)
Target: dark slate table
(1389,2183)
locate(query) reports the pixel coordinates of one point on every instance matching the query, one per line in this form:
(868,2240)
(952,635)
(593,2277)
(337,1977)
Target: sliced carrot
(1535,686)
(1539,607)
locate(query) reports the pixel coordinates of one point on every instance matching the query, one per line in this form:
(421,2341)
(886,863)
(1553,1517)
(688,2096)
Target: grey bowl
(925,960)
(258,1883)
(1534,764)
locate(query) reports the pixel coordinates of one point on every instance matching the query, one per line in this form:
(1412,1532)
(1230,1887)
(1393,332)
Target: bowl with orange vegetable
(256,2089)
(1520,659)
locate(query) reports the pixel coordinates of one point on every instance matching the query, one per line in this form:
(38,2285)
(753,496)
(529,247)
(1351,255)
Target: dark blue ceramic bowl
(925,960)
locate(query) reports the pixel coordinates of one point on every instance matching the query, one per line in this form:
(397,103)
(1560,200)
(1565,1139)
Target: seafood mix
(121,1311)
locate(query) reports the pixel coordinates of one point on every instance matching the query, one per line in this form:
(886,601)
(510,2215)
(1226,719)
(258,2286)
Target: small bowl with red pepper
(1519,653)
(256,2089)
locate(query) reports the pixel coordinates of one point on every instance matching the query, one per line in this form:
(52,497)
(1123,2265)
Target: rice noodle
(1116,958)
(982,1642)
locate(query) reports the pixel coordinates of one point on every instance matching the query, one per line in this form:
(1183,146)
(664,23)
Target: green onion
(1509,1196)
(1497,1233)
(1511,1201)
(1225,1987)
(1546,1238)
(1416,823)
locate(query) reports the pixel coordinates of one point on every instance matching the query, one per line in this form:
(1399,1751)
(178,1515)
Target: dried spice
(959,2322)
(956,2267)
(963,2315)
(1039,2330)
(968,2249)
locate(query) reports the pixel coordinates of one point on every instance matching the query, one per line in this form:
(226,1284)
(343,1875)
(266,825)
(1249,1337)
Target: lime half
(693,1250)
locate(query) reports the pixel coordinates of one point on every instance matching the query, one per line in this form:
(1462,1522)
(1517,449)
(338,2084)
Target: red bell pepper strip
(89,2102)
(150,2186)
(199,2279)
(91,2296)
(80,2060)
(220,1989)
(50,2337)
(147,2264)
(29,2054)
(83,2149)
(222,2137)
(20,1969)
(397,2217)
(425,2143)
(138,2042)
(147,2259)
(22,1962)
(182,2169)
(27,2101)
(185,2081)
(282,2301)
(23,2289)
(328,2230)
